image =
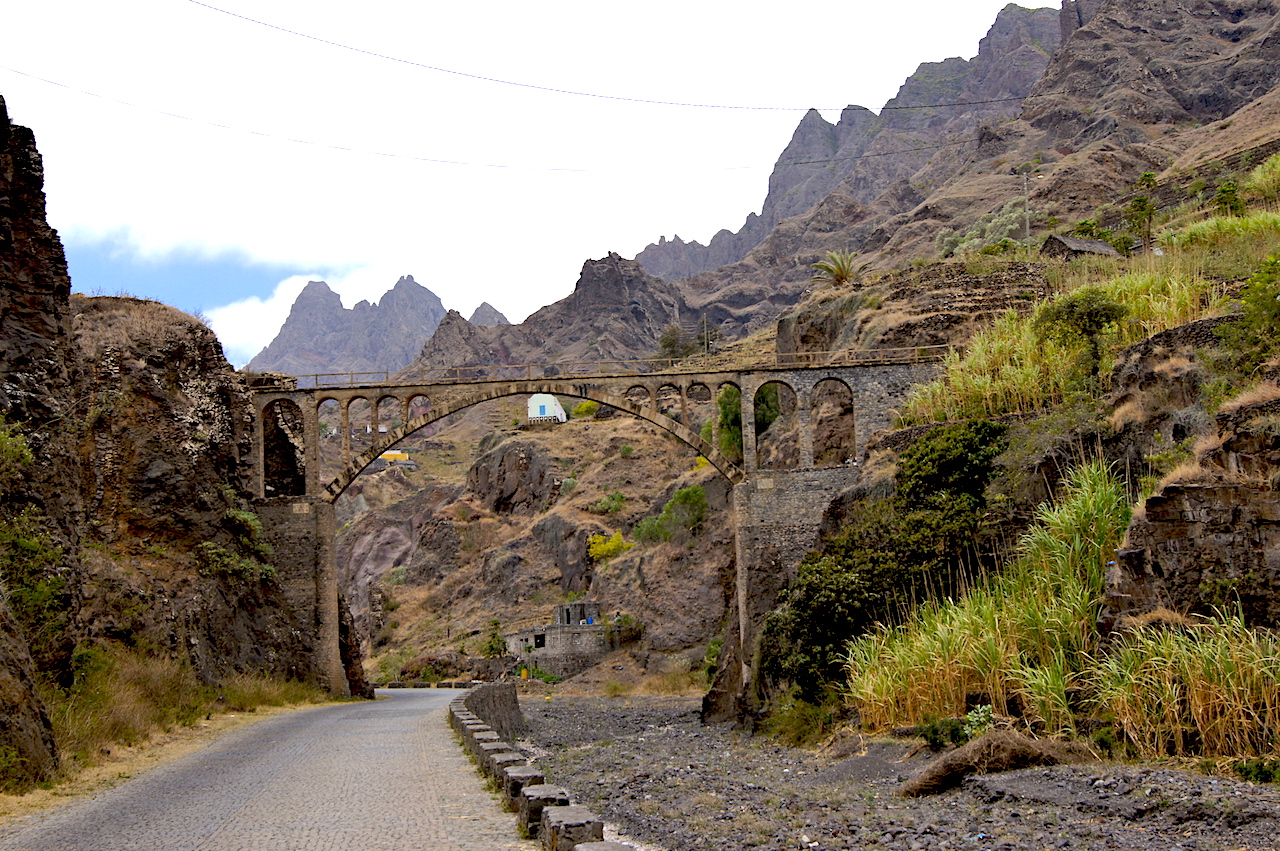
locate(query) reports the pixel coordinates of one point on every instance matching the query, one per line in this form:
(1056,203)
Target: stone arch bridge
(777,513)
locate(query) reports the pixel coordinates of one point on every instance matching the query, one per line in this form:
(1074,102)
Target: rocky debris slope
(513,540)
(863,157)
(649,768)
(320,335)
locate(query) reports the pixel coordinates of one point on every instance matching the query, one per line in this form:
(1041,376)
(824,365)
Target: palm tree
(838,269)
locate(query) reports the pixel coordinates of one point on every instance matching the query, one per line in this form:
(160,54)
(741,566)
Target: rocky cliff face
(321,335)
(1210,537)
(34,381)
(1122,96)
(137,425)
(864,156)
(616,312)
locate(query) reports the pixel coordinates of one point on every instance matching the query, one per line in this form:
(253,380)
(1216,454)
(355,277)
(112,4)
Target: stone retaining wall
(486,718)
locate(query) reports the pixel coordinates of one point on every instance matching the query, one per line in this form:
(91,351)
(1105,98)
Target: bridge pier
(778,515)
(301,531)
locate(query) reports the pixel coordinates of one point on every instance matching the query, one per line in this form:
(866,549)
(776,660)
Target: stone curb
(542,811)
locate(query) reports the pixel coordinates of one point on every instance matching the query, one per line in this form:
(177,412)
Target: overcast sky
(217,163)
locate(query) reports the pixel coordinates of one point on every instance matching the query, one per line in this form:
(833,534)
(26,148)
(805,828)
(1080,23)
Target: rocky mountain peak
(322,336)
(487,316)
(864,156)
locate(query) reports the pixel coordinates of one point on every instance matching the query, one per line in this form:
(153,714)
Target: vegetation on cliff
(1120,364)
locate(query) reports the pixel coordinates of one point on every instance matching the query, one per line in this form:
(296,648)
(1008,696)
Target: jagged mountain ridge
(866,155)
(1092,124)
(321,336)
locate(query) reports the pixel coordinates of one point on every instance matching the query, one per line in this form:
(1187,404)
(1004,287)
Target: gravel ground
(650,769)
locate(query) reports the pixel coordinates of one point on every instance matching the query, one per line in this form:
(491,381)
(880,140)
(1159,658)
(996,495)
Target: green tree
(1139,214)
(495,645)
(1227,199)
(1082,313)
(768,407)
(729,410)
(675,343)
(839,269)
(1146,181)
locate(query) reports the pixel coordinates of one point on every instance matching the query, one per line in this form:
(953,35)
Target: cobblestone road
(368,776)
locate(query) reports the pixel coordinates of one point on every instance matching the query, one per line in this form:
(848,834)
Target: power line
(482,78)
(656,102)
(266,135)
(412,157)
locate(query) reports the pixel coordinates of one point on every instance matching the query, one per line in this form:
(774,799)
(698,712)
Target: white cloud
(243,325)
(578,176)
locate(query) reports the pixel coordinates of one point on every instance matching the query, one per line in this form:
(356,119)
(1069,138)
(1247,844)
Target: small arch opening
(284,450)
(834,428)
(777,427)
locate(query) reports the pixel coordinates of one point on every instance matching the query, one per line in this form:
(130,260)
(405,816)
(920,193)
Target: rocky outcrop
(516,476)
(34,357)
(616,312)
(1130,69)
(322,336)
(1210,536)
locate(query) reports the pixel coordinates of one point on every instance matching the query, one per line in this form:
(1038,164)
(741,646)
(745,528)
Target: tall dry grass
(1210,689)
(122,696)
(1027,633)
(1008,368)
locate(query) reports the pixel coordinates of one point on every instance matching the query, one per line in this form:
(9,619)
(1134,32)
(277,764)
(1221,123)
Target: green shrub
(626,451)
(651,530)
(610,504)
(1256,336)
(889,555)
(684,512)
(585,409)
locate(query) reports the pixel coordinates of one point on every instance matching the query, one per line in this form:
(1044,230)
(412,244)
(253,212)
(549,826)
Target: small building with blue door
(545,408)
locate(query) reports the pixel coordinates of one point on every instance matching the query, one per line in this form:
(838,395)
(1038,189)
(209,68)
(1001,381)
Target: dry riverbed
(649,768)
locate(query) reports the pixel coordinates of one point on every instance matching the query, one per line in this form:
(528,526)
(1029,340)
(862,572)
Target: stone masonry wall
(301,531)
(778,517)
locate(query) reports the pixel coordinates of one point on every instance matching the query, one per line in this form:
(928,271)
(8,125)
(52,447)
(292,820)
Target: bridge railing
(615,368)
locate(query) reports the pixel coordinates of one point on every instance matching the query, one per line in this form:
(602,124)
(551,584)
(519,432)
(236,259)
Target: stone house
(1067,247)
(573,642)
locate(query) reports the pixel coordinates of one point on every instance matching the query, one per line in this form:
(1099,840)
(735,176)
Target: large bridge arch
(483,394)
